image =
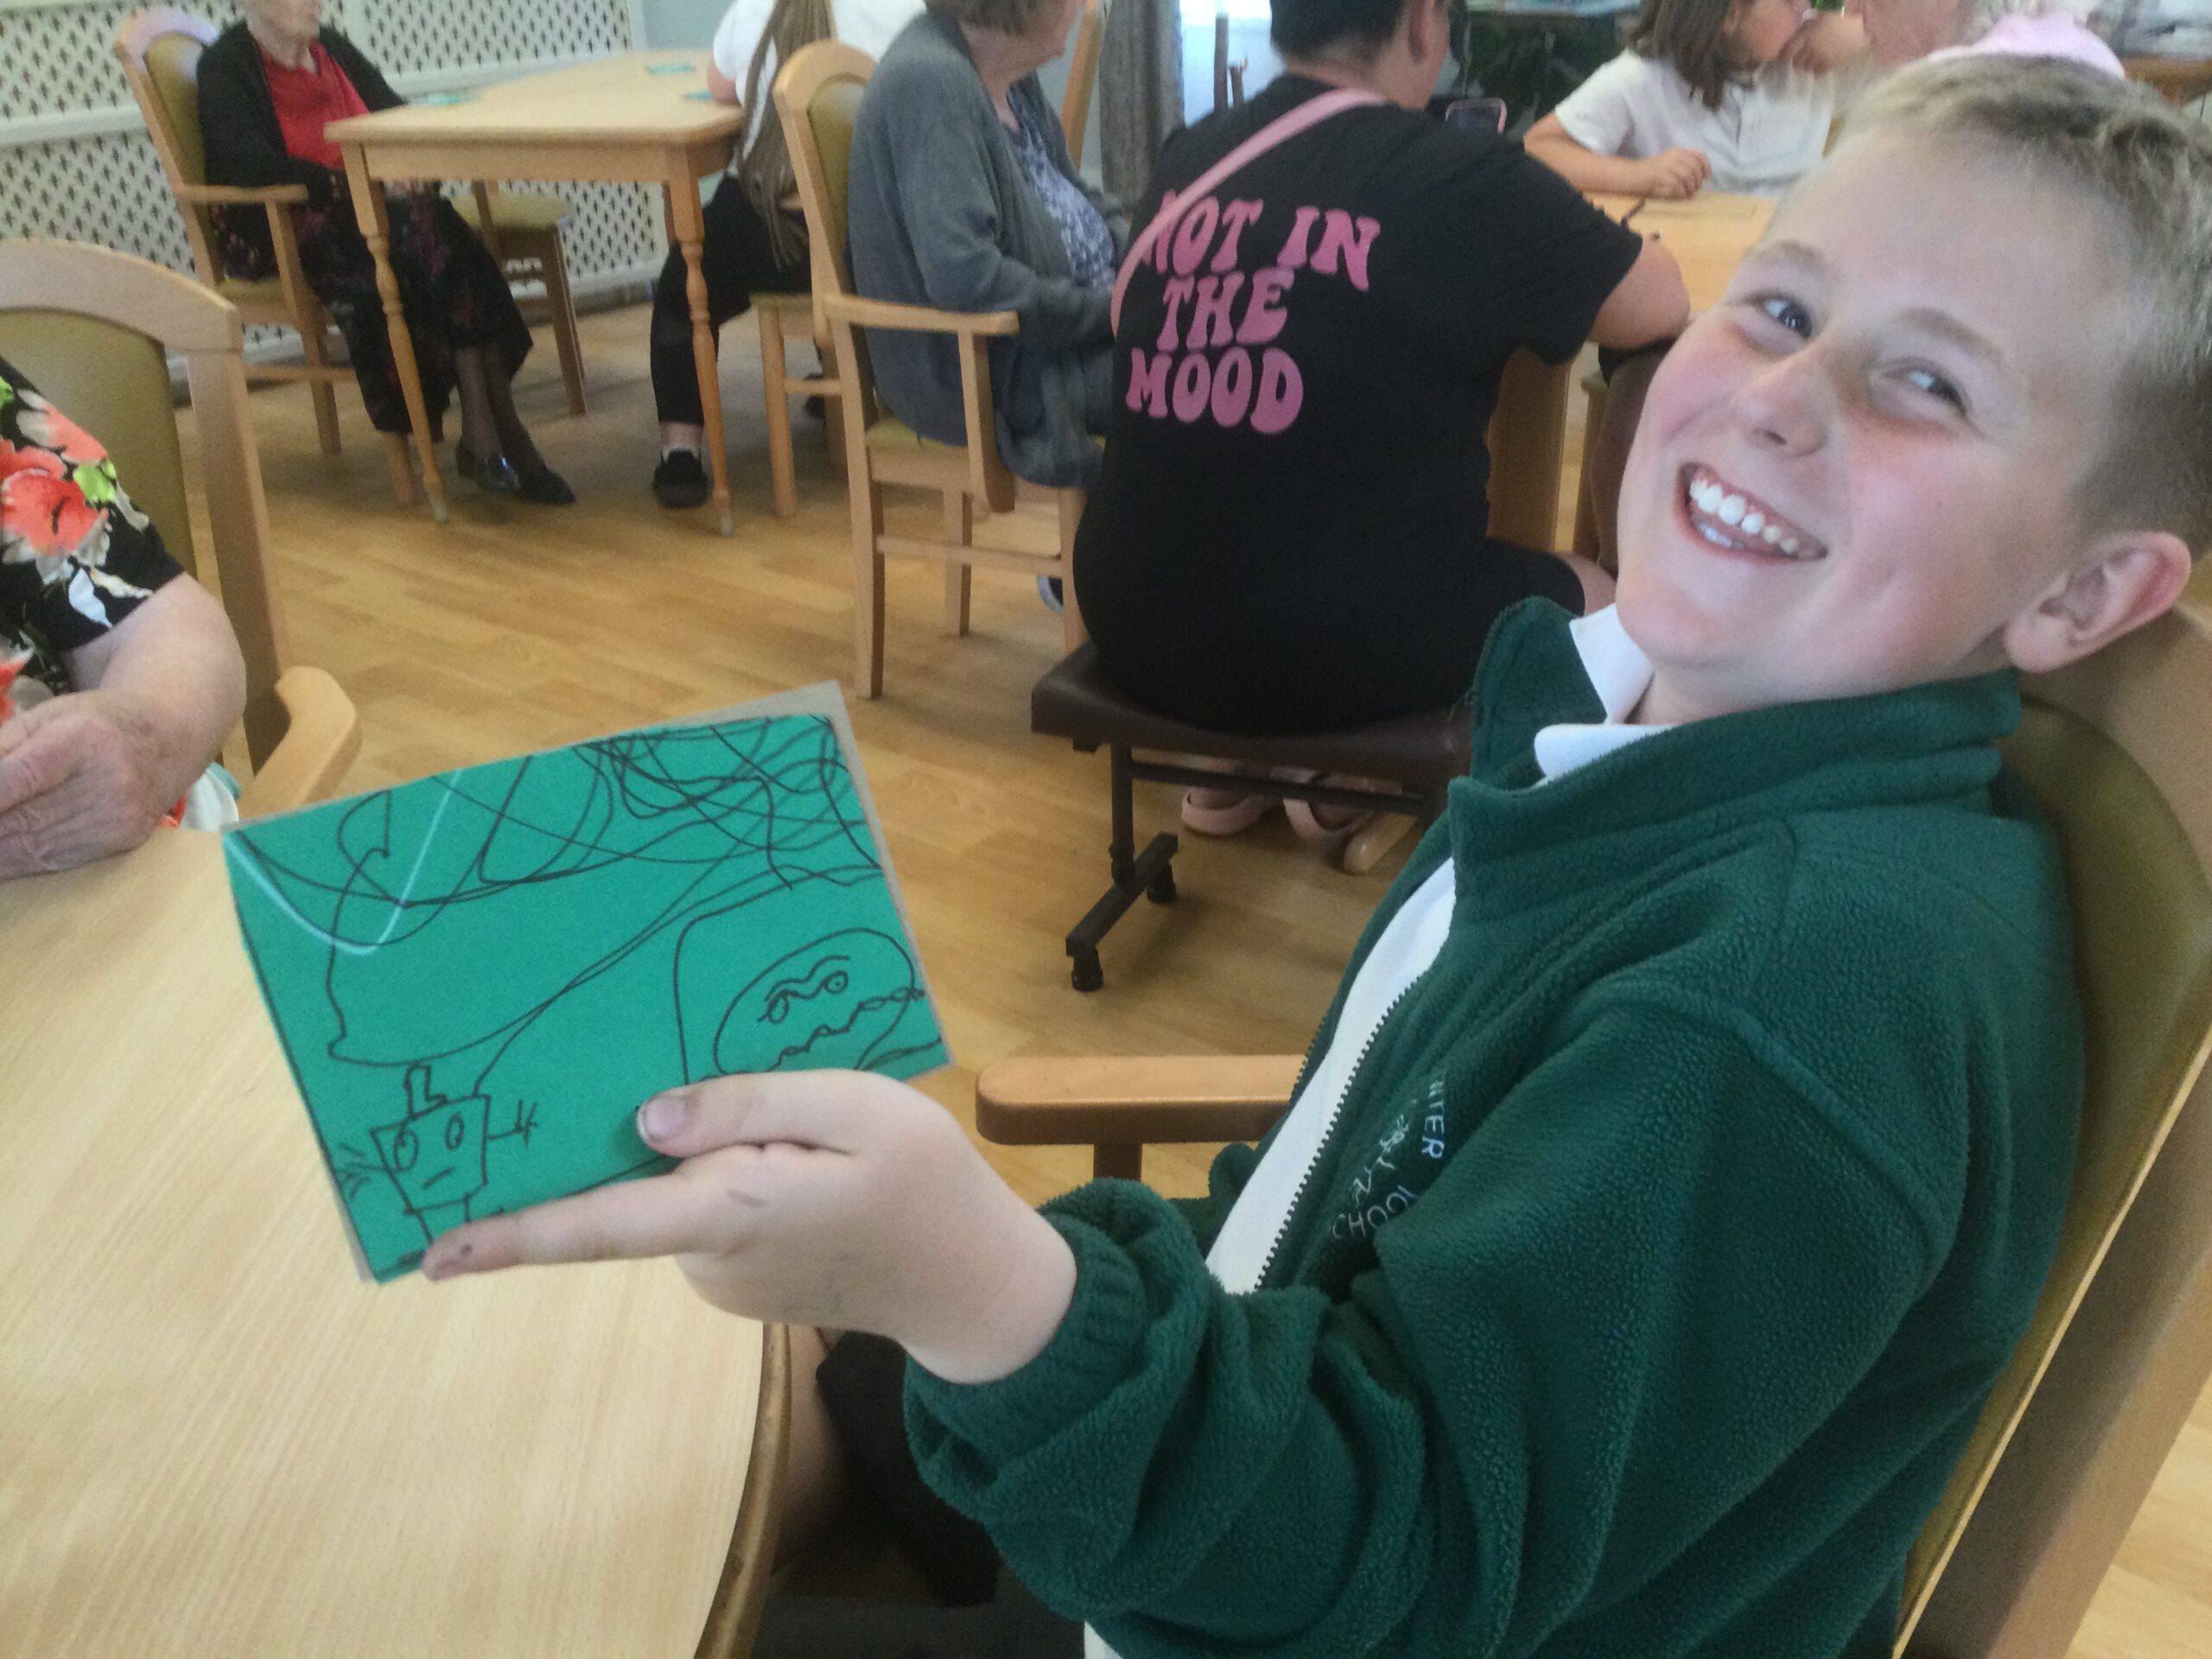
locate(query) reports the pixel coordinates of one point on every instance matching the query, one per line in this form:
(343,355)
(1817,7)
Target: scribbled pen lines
(487,903)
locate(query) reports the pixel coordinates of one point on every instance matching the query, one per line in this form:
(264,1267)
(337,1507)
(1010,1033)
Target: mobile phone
(1483,114)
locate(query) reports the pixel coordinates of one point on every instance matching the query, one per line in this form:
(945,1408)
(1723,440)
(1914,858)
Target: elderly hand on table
(93,772)
(835,1198)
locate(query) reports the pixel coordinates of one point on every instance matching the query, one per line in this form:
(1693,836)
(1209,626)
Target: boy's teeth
(1730,508)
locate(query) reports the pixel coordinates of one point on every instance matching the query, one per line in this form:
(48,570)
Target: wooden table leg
(376,231)
(687,228)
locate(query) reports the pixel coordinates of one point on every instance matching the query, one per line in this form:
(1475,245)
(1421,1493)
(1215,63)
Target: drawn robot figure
(435,1155)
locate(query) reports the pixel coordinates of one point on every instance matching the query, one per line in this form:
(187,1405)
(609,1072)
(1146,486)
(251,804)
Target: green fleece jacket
(1737,1115)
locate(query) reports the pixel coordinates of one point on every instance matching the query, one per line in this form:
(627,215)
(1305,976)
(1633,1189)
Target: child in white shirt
(1702,96)
(752,243)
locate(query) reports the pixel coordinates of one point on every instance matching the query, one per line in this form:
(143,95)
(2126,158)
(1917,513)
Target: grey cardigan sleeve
(939,126)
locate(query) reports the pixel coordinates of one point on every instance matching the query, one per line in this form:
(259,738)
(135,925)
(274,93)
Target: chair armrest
(275,194)
(321,736)
(885,314)
(1133,1102)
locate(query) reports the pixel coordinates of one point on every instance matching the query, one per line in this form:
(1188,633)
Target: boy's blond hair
(2150,168)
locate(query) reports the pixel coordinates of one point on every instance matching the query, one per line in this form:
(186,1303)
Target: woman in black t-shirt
(1290,532)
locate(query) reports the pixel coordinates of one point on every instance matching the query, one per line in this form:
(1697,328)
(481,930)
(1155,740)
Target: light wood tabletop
(636,117)
(214,1440)
(1708,235)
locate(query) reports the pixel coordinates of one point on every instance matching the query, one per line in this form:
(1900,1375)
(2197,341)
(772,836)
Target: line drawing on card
(456,967)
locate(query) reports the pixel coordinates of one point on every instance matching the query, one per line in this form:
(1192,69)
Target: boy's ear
(2127,579)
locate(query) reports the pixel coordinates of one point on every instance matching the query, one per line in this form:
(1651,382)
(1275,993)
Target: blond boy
(1680,1160)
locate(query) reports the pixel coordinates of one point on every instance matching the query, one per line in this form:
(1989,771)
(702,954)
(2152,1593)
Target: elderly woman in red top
(268,87)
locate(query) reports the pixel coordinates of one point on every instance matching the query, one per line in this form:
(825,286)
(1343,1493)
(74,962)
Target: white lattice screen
(75,161)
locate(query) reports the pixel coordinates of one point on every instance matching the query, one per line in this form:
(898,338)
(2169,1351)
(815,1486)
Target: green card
(478,977)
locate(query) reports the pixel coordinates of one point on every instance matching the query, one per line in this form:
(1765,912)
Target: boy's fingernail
(663,1116)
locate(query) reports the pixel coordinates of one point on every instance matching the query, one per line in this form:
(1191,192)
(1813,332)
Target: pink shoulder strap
(1311,112)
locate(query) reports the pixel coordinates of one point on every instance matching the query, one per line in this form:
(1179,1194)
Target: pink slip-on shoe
(1223,811)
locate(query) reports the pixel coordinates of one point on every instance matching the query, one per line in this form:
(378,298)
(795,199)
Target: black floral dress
(451,291)
(75,557)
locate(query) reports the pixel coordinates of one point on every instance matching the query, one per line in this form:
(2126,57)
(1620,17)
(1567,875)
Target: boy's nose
(1787,406)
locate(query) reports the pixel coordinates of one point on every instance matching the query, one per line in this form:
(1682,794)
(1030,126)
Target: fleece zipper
(1251,1237)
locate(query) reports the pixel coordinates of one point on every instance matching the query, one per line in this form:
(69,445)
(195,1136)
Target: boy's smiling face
(1860,471)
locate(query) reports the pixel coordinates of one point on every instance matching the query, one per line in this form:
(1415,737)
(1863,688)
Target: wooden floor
(515,628)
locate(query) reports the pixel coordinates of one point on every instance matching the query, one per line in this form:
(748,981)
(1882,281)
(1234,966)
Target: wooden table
(616,121)
(2178,80)
(214,1438)
(1708,235)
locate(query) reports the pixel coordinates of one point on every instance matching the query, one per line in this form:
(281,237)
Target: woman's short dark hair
(1691,34)
(1304,28)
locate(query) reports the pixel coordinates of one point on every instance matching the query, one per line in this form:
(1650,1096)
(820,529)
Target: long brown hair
(765,173)
(1692,35)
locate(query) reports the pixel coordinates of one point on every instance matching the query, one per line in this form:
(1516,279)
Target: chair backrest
(2119,752)
(92,328)
(159,50)
(817,99)
(1083,77)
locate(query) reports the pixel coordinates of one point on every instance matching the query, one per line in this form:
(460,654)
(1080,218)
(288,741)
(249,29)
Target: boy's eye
(1787,312)
(1927,381)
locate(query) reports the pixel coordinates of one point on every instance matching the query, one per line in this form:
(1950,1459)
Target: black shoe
(490,474)
(681,481)
(546,488)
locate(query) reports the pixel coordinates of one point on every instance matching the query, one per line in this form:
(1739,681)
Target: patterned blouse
(75,557)
(1090,241)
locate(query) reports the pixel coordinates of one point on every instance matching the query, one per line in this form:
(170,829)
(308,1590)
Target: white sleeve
(738,35)
(1600,114)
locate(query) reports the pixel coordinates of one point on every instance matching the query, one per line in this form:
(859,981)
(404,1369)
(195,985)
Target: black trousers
(987,1614)
(738,259)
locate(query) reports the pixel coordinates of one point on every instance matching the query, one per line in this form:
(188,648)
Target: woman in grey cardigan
(963,198)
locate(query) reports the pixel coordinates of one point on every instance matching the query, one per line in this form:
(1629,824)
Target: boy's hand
(836,1198)
(1673,174)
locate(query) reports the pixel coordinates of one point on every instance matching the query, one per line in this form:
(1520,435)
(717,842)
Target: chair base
(1077,701)
(1149,874)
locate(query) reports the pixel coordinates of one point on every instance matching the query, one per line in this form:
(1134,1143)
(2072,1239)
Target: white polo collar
(1620,674)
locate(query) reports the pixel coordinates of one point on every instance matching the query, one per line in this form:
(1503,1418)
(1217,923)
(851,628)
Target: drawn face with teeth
(1860,471)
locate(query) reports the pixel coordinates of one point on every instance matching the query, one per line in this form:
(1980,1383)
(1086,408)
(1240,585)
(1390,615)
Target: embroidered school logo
(1212,358)
(1406,1160)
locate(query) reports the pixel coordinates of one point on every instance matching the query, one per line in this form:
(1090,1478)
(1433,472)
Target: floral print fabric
(75,557)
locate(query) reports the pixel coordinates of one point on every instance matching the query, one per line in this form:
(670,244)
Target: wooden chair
(1083,77)
(159,50)
(2119,752)
(777,314)
(523,229)
(93,328)
(818,96)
